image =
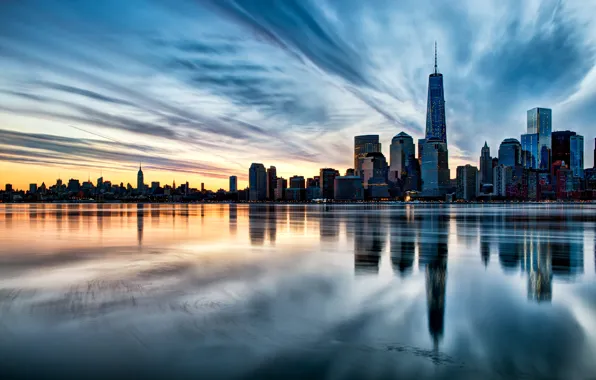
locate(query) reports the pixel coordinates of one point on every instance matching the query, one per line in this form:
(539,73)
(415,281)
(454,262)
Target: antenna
(435,57)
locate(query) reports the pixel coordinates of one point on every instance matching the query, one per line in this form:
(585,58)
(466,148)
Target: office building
(297,182)
(502,179)
(32,188)
(327,181)
(271,182)
(348,188)
(74,186)
(140,180)
(467,183)
(257,182)
(154,185)
(561,144)
(435,168)
(280,189)
(529,142)
(486,166)
(8,188)
(510,153)
(436,127)
(363,145)
(374,165)
(295,194)
(313,193)
(233,184)
(401,152)
(539,122)
(576,152)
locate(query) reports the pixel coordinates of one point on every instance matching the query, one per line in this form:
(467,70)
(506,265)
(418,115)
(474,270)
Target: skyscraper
(374,165)
(436,127)
(233,184)
(540,122)
(594,163)
(435,168)
(486,166)
(529,142)
(467,182)
(327,181)
(271,182)
(297,182)
(401,153)
(576,150)
(502,177)
(280,188)
(510,153)
(257,182)
(363,145)
(140,180)
(561,143)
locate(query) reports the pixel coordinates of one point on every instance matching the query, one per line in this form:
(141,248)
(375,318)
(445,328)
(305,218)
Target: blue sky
(199,89)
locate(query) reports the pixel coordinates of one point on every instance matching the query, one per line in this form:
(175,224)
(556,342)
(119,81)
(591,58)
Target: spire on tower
(435,57)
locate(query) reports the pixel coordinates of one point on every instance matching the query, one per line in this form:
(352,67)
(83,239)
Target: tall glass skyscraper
(401,154)
(362,146)
(540,123)
(529,143)
(576,152)
(257,182)
(436,127)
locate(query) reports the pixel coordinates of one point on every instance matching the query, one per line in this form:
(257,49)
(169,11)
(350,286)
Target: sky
(197,90)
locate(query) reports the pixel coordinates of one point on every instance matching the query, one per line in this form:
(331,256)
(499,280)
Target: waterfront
(298,291)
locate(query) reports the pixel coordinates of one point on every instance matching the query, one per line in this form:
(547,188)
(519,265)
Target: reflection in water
(369,242)
(185,289)
(433,251)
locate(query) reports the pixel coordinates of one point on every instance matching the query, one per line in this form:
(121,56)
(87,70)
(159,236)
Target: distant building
(401,152)
(565,182)
(576,150)
(375,166)
(8,188)
(540,122)
(435,168)
(313,193)
(257,180)
(486,165)
(140,180)
(313,182)
(363,145)
(529,142)
(348,188)
(327,180)
(467,182)
(154,185)
(271,182)
(202,187)
(510,153)
(74,186)
(297,182)
(561,146)
(295,194)
(32,188)
(436,126)
(280,189)
(502,178)
(377,188)
(233,184)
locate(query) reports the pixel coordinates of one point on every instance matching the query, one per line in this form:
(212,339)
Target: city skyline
(209,91)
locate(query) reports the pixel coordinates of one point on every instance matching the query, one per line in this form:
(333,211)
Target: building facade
(327,181)
(486,166)
(257,182)
(435,168)
(539,121)
(467,182)
(140,180)
(502,179)
(280,189)
(271,182)
(529,142)
(362,145)
(348,188)
(233,184)
(401,153)
(576,153)
(436,127)
(510,153)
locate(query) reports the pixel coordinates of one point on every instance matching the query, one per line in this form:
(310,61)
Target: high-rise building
(271,182)
(502,178)
(435,168)
(140,180)
(510,153)
(32,188)
(400,153)
(155,185)
(280,189)
(8,188)
(529,142)
(327,181)
(297,182)
(99,183)
(348,188)
(594,163)
(374,165)
(233,184)
(362,145)
(467,182)
(540,122)
(436,127)
(202,187)
(576,150)
(257,182)
(74,185)
(486,166)
(561,143)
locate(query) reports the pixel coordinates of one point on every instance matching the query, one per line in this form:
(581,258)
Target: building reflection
(140,216)
(233,218)
(433,252)
(328,224)
(262,222)
(537,263)
(370,236)
(403,245)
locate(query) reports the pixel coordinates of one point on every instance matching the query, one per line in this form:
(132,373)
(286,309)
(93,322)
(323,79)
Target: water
(297,291)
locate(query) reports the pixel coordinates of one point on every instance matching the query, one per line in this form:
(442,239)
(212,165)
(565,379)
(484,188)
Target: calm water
(296,292)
